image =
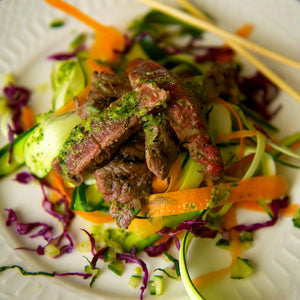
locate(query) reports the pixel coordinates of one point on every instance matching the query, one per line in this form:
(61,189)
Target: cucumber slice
(46,140)
(186,279)
(192,176)
(87,198)
(134,281)
(219,120)
(242,269)
(156,285)
(17,156)
(68,80)
(117,267)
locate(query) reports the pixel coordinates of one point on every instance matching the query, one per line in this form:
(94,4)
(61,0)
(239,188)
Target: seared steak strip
(93,142)
(218,81)
(105,89)
(161,145)
(184,112)
(125,181)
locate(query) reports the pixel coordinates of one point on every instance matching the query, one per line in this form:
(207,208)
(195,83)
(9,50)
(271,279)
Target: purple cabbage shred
(58,210)
(62,56)
(25,177)
(159,249)
(131,258)
(276,205)
(99,255)
(17,97)
(197,227)
(260,93)
(92,240)
(66,55)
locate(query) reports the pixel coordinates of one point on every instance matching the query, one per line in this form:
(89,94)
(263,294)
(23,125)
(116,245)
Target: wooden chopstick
(233,41)
(204,24)
(243,52)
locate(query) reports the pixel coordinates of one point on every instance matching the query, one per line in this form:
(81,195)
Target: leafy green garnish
(57,23)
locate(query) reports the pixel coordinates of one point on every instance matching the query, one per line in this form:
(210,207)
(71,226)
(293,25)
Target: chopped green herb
(57,23)
(77,42)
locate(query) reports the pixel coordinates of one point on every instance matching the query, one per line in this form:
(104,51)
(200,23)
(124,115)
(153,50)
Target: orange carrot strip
(158,185)
(98,67)
(145,227)
(175,175)
(104,49)
(235,243)
(240,124)
(245,30)
(236,135)
(58,183)
(208,181)
(250,205)
(27,117)
(295,145)
(81,97)
(178,202)
(203,280)
(96,217)
(290,210)
(69,106)
(76,13)
(111,39)
(235,249)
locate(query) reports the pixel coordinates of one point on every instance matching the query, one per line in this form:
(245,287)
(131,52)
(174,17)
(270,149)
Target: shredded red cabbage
(83,275)
(17,97)
(66,55)
(99,255)
(159,249)
(58,210)
(92,240)
(260,93)
(197,227)
(276,205)
(131,258)
(25,228)
(24,177)
(11,141)
(62,56)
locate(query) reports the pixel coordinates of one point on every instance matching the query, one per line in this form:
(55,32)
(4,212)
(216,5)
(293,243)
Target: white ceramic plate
(26,40)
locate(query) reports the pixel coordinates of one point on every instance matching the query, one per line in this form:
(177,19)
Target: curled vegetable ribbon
(109,42)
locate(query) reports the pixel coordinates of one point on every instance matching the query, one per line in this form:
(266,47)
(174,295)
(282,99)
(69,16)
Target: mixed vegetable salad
(195,197)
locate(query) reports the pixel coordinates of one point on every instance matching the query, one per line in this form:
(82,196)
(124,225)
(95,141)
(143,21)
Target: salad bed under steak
(150,101)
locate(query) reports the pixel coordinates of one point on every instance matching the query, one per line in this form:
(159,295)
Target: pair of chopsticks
(238,44)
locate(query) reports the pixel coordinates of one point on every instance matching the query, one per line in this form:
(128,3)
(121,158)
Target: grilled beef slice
(184,112)
(218,81)
(105,89)
(93,142)
(161,145)
(125,181)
